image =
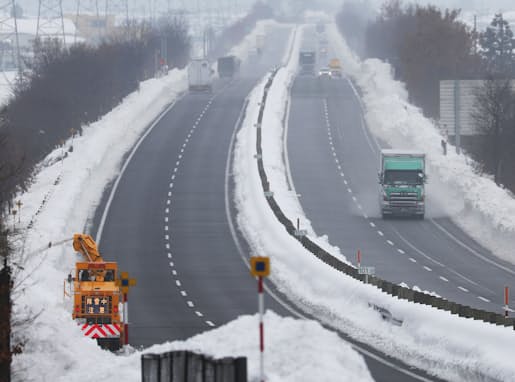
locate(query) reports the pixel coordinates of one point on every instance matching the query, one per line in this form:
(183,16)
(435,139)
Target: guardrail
(386,286)
(186,366)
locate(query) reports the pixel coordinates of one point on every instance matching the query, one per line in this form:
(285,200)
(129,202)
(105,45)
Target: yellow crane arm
(87,247)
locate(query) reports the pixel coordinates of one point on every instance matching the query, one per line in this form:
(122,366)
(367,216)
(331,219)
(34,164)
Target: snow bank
(296,351)
(444,344)
(63,197)
(474,202)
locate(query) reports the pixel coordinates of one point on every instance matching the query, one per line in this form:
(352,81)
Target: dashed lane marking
(463,289)
(427,268)
(483,299)
(443,279)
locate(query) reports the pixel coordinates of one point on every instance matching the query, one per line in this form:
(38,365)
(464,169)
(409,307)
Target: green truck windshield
(403,177)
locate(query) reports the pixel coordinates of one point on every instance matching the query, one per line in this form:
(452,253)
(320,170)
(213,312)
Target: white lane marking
(427,268)
(443,279)
(174,272)
(365,216)
(169,255)
(178,283)
(380,233)
(180,156)
(172,264)
(359,206)
(182,150)
(390,242)
(344,181)
(173,176)
(199,314)
(177,163)
(183,293)
(412,260)
(471,250)
(169,193)
(167,210)
(125,165)
(210,323)
(190,303)
(415,248)
(166,219)
(483,299)
(170,185)
(463,289)
(438,263)
(167,246)
(166,228)
(354,198)
(168,202)
(372,224)
(175,169)
(167,237)
(349,190)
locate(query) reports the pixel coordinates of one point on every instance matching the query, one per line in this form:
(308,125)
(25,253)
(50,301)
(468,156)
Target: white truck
(200,75)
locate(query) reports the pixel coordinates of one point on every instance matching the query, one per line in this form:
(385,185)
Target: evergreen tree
(497,45)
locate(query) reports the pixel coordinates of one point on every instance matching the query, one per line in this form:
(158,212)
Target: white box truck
(200,75)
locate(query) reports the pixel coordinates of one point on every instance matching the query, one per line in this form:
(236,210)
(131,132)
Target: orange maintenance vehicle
(96,291)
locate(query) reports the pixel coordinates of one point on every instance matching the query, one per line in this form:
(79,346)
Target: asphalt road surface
(334,165)
(167,224)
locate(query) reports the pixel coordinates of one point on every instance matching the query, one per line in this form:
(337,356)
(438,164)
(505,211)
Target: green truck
(402,178)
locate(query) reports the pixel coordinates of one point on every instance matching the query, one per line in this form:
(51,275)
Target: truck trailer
(228,66)
(402,178)
(200,75)
(307,62)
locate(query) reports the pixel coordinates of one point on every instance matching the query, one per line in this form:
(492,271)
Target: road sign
(367,270)
(260,266)
(125,282)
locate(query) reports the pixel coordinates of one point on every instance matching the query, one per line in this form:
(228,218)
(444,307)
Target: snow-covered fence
(186,366)
(386,286)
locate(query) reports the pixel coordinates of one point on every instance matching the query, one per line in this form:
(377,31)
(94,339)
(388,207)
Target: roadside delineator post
(359,259)
(125,282)
(506,304)
(260,267)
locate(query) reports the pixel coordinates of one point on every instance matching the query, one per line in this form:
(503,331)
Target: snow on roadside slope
(296,351)
(449,346)
(56,350)
(474,202)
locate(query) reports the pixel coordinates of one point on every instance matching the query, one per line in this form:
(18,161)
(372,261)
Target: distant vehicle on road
(336,67)
(307,61)
(402,179)
(200,75)
(324,73)
(228,66)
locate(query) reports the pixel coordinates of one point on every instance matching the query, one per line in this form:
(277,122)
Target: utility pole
(10,43)
(50,21)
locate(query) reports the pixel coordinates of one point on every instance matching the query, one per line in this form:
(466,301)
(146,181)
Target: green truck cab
(402,179)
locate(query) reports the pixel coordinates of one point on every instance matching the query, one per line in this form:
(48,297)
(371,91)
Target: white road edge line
(98,237)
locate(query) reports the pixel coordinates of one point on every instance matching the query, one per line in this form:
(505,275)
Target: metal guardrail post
(179,371)
(150,365)
(165,368)
(194,368)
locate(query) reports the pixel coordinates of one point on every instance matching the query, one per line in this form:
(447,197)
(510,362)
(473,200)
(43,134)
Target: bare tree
(494,115)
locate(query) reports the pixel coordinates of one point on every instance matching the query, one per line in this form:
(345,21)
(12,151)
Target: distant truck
(402,179)
(228,66)
(307,62)
(200,75)
(336,67)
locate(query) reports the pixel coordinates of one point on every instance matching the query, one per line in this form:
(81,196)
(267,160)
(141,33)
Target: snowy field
(63,199)
(452,347)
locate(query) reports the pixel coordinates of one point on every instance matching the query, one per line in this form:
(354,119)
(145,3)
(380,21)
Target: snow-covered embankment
(452,347)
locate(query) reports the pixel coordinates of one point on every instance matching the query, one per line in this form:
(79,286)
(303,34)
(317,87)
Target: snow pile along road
(60,202)
(475,202)
(444,344)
